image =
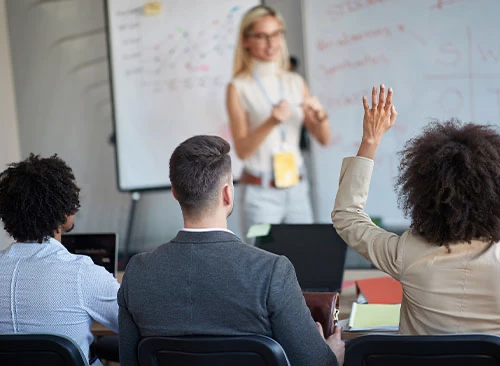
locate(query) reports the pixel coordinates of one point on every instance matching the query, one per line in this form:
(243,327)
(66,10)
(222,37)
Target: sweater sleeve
(382,248)
(291,321)
(129,334)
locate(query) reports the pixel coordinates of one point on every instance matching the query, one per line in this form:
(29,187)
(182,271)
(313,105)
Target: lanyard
(268,97)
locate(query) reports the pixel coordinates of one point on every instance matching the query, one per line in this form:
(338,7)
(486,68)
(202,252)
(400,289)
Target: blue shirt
(46,289)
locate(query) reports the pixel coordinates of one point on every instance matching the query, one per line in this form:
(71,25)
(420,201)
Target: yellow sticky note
(152,8)
(258,230)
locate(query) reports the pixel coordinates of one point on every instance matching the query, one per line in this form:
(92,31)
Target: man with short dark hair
(206,281)
(44,288)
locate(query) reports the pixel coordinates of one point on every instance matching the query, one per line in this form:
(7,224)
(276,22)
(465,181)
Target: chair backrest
(40,350)
(433,350)
(248,350)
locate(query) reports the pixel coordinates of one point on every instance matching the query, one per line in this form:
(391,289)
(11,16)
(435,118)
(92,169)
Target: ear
(227,197)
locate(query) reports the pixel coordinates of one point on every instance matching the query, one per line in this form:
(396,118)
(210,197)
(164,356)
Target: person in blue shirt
(44,288)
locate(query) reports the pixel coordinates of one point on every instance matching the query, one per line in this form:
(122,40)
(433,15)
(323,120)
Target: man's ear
(226,195)
(175,194)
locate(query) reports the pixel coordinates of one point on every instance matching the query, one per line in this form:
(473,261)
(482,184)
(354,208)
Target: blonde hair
(242,57)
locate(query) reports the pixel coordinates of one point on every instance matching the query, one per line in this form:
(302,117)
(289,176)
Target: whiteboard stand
(135,196)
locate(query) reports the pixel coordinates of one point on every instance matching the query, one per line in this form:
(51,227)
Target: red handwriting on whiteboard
(488,54)
(347,100)
(450,54)
(347,39)
(345,7)
(452,101)
(367,60)
(440,4)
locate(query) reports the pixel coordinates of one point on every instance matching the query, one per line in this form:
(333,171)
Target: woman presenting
(267,106)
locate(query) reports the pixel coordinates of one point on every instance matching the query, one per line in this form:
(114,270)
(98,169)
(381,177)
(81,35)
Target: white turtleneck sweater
(258,109)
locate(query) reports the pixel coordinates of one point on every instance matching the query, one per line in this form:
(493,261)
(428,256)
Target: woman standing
(267,106)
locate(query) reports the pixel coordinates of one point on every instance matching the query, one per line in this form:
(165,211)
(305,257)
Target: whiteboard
(169,74)
(441,57)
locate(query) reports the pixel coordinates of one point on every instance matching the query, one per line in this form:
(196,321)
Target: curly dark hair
(449,182)
(36,196)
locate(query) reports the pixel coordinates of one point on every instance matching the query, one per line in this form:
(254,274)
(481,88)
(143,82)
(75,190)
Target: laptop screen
(316,251)
(102,248)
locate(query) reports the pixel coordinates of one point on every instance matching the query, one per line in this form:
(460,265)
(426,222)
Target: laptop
(316,251)
(101,247)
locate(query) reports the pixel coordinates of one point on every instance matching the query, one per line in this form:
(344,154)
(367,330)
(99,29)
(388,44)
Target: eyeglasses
(263,37)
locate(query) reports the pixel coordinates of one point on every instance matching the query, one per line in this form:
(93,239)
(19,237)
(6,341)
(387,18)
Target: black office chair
(107,348)
(433,350)
(40,350)
(250,350)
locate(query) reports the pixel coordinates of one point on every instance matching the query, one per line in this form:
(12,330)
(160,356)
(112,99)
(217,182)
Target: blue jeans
(268,205)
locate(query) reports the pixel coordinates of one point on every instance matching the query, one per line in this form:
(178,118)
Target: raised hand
(380,117)
(377,120)
(281,112)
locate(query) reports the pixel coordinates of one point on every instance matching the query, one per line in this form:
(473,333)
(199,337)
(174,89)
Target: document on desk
(377,317)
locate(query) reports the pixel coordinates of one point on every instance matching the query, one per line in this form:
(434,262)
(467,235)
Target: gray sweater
(211,283)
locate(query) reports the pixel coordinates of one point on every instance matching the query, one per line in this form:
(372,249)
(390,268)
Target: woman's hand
(377,120)
(280,112)
(313,110)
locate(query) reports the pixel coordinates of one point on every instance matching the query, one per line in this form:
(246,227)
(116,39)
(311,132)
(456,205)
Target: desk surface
(347,297)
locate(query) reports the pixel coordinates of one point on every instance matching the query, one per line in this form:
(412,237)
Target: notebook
(316,251)
(380,290)
(101,247)
(376,317)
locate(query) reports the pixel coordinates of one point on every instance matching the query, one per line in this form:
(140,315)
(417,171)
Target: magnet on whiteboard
(152,8)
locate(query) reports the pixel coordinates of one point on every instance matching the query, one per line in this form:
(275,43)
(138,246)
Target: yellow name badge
(286,173)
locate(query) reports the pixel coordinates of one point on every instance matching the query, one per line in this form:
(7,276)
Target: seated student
(448,262)
(206,281)
(44,288)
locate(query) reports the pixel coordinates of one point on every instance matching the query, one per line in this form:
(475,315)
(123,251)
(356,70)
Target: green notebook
(380,317)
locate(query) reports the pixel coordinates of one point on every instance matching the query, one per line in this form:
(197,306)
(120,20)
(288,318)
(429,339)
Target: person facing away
(206,281)
(267,106)
(44,288)
(448,263)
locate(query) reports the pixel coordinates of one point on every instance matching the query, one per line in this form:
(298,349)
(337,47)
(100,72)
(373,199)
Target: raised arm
(382,248)
(247,141)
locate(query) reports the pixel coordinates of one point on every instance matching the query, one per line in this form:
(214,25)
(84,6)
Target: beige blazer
(457,292)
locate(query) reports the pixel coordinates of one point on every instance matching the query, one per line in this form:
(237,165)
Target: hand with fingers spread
(376,121)
(335,342)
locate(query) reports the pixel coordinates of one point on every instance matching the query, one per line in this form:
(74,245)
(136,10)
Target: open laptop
(101,247)
(316,251)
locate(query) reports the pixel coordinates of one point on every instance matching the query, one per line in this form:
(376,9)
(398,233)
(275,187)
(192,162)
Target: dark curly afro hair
(36,196)
(449,182)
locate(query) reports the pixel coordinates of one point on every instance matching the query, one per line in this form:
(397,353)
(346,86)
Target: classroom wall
(62,88)
(9,140)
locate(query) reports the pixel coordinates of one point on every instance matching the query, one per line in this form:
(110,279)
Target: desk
(347,297)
